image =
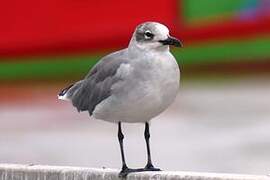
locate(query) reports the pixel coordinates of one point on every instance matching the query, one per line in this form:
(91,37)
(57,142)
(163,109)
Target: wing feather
(98,82)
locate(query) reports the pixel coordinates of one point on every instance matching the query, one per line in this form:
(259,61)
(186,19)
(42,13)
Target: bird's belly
(146,99)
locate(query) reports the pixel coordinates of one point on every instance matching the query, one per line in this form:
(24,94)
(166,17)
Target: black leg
(125,170)
(149,166)
(120,138)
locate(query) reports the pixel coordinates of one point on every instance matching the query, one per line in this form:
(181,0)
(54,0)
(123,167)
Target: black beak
(171,41)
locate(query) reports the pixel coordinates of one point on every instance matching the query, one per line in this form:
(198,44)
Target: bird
(132,85)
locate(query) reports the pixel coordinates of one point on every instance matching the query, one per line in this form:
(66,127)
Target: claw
(126,171)
(150,167)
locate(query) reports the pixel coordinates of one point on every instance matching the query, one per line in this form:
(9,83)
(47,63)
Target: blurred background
(220,121)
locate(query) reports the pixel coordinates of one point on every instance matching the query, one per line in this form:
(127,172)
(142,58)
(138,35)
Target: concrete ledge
(39,172)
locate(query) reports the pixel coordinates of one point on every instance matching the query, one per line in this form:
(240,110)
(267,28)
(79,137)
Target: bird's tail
(67,93)
(63,95)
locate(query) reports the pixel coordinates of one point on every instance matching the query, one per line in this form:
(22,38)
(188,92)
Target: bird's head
(153,35)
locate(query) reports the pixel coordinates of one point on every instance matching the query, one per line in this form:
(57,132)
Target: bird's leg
(120,138)
(125,170)
(149,166)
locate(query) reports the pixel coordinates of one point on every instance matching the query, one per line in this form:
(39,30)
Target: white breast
(147,90)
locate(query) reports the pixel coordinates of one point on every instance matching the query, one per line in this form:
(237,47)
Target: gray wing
(98,82)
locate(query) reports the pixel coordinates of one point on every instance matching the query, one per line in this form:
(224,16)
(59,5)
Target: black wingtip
(64,91)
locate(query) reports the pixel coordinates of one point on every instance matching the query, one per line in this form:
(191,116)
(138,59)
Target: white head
(153,35)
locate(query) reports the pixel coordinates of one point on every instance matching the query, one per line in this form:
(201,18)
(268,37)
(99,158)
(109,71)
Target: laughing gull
(132,85)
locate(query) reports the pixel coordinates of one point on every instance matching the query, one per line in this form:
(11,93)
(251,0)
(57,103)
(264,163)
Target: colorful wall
(53,39)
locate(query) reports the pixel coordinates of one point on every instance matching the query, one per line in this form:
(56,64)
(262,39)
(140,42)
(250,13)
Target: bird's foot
(150,167)
(125,170)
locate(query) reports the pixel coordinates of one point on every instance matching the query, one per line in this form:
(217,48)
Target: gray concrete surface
(38,172)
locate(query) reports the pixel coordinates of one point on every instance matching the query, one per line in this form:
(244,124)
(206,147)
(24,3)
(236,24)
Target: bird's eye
(148,35)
